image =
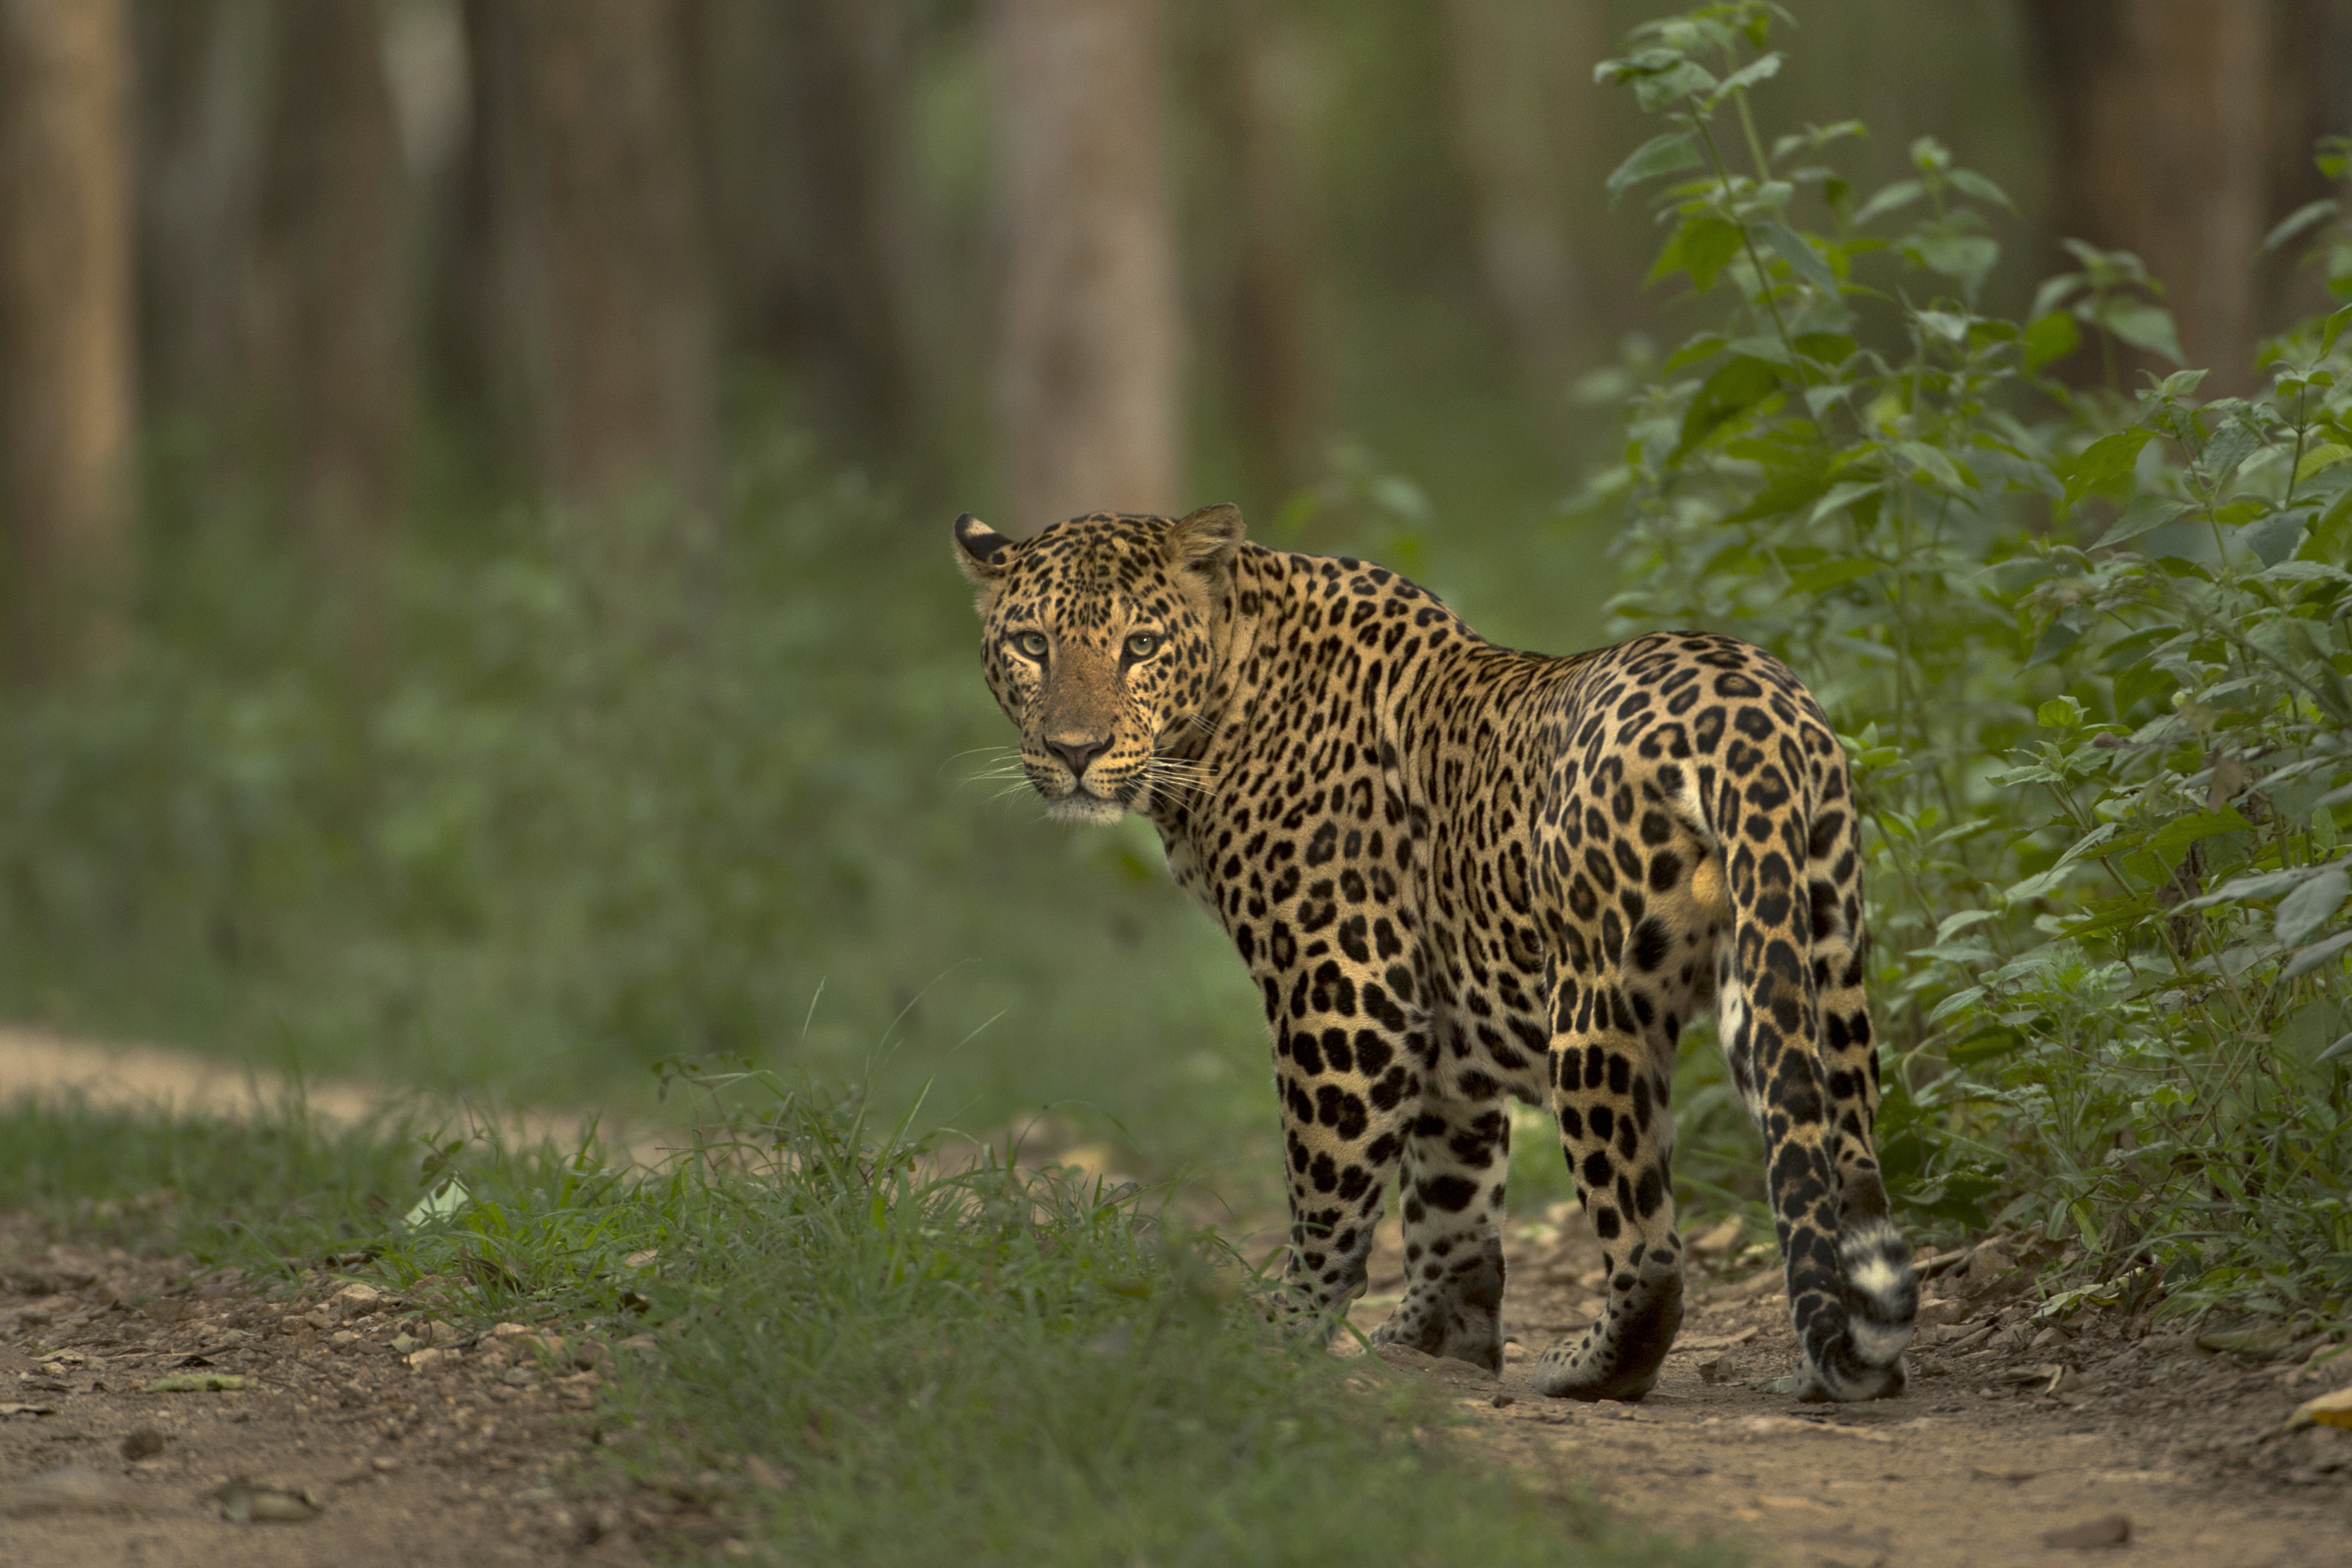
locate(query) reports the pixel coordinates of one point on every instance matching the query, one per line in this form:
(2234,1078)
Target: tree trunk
(2160,126)
(334,240)
(626,388)
(1524,114)
(803,113)
(1247,79)
(65,382)
(203,114)
(483,314)
(1088,370)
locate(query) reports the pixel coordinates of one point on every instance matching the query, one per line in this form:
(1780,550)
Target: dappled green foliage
(2088,649)
(600,805)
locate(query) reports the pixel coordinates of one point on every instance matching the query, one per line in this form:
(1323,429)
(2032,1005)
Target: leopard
(1459,875)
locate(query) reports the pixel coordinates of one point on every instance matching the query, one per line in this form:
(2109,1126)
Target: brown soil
(1974,1465)
(489,1454)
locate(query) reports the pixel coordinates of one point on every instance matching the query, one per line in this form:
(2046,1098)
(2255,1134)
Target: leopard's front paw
(1620,1354)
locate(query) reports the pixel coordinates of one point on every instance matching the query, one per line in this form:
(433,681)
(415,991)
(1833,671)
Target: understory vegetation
(926,1366)
(592,805)
(2081,623)
(2084,629)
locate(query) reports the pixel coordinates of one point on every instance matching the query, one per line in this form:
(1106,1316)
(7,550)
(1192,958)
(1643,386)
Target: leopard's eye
(1144,644)
(1032,643)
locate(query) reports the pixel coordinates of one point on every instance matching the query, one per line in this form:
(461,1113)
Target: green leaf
(2308,908)
(1948,325)
(2059,713)
(2146,514)
(1802,259)
(1704,346)
(2296,221)
(2172,840)
(1984,1045)
(1841,496)
(2333,328)
(2273,538)
(1900,195)
(2139,323)
(1669,153)
(2232,445)
(1707,242)
(2064,632)
(1829,574)
(1963,257)
(2105,458)
(2311,1032)
(1738,385)
(1982,189)
(1953,925)
(1762,68)
(1934,464)
(1668,88)
(2312,957)
(2324,457)
(2054,292)
(2041,883)
(1958,1001)
(2051,337)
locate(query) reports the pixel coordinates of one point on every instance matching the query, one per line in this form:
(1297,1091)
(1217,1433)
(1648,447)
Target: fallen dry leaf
(2327,1410)
(2108,1529)
(249,1502)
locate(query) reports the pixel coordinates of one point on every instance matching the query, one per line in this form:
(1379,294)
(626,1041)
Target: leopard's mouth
(1079,802)
(1084,806)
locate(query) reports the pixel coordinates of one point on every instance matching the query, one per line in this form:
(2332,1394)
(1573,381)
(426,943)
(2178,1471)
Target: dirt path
(36,1064)
(326,1441)
(1977,1465)
(2013,1429)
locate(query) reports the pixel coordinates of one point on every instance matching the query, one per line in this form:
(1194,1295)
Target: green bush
(2088,651)
(597,805)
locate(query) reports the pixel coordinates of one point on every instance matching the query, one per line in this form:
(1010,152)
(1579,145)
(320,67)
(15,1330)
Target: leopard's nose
(1077,754)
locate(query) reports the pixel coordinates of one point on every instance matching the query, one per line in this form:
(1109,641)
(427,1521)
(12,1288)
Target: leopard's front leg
(1457,1155)
(1348,1063)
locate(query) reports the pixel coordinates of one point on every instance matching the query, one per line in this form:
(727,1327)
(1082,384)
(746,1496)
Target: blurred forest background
(475,473)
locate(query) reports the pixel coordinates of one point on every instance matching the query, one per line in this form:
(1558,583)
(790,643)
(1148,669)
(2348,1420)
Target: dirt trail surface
(2101,1432)
(348,1443)
(37,1065)
(332,1441)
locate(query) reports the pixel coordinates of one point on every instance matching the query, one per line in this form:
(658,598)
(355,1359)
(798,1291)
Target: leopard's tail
(1796,1030)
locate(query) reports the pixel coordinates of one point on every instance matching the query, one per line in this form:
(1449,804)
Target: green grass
(985,1366)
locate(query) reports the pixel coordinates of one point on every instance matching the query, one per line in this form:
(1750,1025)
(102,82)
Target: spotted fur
(1460,873)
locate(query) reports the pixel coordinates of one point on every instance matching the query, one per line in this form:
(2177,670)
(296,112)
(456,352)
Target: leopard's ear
(981,551)
(1206,541)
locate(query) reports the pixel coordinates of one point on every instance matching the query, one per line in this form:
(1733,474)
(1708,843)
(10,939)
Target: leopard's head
(1101,642)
